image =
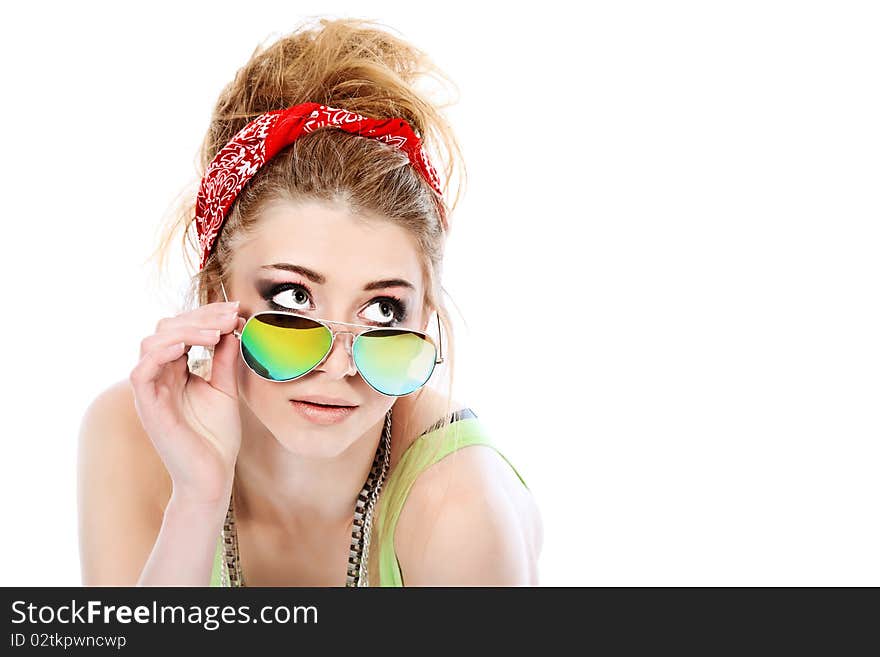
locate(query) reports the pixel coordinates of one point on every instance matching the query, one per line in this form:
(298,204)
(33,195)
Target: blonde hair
(356,65)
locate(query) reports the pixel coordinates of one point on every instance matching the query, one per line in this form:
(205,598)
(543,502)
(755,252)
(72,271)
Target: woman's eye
(385,312)
(292,298)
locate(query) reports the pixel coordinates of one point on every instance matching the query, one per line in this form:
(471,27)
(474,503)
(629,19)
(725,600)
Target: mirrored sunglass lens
(283,347)
(394,361)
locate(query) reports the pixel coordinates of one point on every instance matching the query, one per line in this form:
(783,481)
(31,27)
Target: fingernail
(212,332)
(234,304)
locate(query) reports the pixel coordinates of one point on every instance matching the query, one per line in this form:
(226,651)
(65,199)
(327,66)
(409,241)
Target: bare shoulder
(122,489)
(111,424)
(468,520)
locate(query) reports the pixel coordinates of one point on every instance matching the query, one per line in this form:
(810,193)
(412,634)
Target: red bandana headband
(262,138)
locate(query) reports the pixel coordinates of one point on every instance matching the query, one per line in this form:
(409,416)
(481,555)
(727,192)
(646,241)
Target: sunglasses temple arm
(440,338)
(235,332)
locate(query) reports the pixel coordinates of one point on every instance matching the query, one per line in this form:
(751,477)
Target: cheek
(259,392)
(265,399)
(375,407)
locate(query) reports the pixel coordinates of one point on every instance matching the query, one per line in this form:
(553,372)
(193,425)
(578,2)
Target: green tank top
(464,430)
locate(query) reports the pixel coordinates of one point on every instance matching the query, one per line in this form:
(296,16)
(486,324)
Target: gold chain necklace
(359,552)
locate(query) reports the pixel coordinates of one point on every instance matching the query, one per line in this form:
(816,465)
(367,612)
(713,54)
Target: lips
(322,400)
(322,415)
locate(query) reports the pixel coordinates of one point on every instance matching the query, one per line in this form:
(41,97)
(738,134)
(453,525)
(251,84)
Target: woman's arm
(132,529)
(184,551)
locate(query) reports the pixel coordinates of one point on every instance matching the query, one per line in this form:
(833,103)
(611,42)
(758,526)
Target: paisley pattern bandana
(262,138)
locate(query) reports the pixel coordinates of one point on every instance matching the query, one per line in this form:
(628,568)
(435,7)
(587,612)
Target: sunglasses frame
(324,322)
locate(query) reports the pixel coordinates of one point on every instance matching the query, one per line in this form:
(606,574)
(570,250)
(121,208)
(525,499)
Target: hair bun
(353,64)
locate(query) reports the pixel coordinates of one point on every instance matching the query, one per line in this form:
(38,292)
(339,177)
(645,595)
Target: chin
(303,438)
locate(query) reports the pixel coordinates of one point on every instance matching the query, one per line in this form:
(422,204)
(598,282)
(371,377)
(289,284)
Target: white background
(666,259)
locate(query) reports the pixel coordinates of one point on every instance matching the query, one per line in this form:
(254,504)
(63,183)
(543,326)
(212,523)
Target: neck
(289,492)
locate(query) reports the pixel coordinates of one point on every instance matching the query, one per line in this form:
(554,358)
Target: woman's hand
(193,423)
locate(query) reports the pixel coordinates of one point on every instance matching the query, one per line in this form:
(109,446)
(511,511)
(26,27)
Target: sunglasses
(283,346)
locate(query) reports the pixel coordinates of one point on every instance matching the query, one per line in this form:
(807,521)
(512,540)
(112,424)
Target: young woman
(307,449)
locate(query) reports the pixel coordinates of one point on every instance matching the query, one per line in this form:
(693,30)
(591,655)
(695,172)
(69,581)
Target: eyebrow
(320,279)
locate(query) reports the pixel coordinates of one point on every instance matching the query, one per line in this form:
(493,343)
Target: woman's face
(316,259)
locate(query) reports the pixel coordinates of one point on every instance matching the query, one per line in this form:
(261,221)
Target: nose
(339,362)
